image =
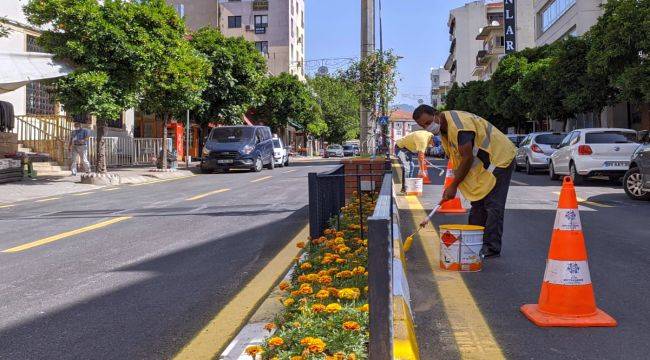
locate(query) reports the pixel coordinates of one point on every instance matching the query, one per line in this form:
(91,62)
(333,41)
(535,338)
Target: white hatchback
(280,153)
(593,152)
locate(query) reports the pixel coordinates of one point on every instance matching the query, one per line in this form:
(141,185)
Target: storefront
(151,126)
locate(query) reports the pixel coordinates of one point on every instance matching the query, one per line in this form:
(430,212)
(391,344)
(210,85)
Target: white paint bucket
(413,186)
(460,247)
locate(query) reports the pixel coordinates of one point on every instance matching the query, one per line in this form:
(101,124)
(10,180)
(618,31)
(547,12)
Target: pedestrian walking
(78,147)
(485,161)
(409,147)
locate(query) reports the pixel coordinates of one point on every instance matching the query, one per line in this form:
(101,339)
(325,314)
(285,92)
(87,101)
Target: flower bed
(326,302)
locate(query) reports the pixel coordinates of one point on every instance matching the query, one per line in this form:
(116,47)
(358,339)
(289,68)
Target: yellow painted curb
(405,344)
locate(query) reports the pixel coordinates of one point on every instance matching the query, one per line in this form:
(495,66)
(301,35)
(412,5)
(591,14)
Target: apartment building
(277,27)
(440,85)
(464,23)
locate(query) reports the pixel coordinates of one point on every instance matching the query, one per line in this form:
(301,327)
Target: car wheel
(575,177)
(286,161)
(529,169)
(257,167)
(206,171)
(633,185)
(271,165)
(281,164)
(551,171)
(517,167)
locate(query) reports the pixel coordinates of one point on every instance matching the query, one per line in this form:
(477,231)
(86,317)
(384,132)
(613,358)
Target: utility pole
(367,48)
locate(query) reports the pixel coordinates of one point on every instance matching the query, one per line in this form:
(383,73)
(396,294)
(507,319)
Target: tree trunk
(100,159)
(164,142)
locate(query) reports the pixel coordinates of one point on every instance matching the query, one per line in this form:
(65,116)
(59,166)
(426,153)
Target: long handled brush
(409,239)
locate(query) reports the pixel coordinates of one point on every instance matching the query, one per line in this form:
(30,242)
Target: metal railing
(326,198)
(45,134)
(126,151)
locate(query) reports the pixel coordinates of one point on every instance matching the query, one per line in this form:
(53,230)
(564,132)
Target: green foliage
(451,101)
(4,31)
(620,48)
(238,70)
(472,97)
(375,78)
(289,99)
(340,105)
(503,97)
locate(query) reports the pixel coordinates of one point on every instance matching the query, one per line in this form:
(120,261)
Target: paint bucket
(413,186)
(460,247)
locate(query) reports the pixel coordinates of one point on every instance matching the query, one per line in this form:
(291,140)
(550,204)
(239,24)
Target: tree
(502,97)
(179,72)
(3,31)
(238,70)
(109,49)
(472,97)
(289,99)
(620,48)
(339,102)
(452,97)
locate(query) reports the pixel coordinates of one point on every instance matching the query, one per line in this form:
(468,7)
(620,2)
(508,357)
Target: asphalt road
(163,260)
(617,233)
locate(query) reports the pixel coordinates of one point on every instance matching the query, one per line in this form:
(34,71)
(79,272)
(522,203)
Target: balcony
(260,5)
(482,58)
(452,47)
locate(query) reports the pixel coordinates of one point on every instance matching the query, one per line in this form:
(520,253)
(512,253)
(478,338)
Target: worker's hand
(424,223)
(449,193)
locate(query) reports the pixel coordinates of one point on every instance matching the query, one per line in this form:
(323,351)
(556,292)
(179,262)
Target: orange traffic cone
(453,206)
(424,170)
(567,296)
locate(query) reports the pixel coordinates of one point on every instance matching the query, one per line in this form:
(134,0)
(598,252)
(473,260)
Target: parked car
(636,181)
(334,150)
(593,152)
(350,150)
(516,138)
(241,147)
(280,153)
(534,151)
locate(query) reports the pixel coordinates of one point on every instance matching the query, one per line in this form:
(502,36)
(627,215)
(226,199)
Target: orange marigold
(341,261)
(300,245)
(359,270)
(318,308)
(275,341)
(322,294)
(284,285)
(269,326)
(351,326)
(288,302)
(314,345)
(333,291)
(254,350)
(325,280)
(344,274)
(364,308)
(305,266)
(305,289)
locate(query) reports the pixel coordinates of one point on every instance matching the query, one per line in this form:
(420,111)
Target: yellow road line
(582,201)
(111,189)
(47,199)
(66,234)
(83,193)
(197,197)
(518,182)
(471,331)
(6,206)
(261,179)
(289,171)
(210,341)
(162,180)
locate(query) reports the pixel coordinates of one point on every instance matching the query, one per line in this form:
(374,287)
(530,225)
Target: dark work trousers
(489,211)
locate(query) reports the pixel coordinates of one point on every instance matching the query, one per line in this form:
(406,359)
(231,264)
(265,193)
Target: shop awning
(18,69)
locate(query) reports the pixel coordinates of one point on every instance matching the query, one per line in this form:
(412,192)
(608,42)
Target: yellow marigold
(350,293)
(306,289)
(297,357)
(359,270)
(269,326)
(275,341)
(333,308)
(339,240)
(254,350)
(322,272)
(339,356)
(300,245)
(344,274)
(365,289)
(341,261)
(288,302)
(314,345)
(318,308)
(364,308)
(312,277)
(322,294)
(351,326)
(296,324)
(343,249)
(305,266)
(352,356)
(284,286)
(325,280)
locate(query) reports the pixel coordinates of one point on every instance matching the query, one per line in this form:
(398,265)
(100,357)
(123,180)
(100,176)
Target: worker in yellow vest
(408,147)
(484,163)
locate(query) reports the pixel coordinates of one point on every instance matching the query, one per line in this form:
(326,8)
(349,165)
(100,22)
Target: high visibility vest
(479,180)
(415,142)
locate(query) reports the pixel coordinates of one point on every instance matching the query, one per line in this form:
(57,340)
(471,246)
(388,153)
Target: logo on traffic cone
(567,296)
(453,206)
(424,170)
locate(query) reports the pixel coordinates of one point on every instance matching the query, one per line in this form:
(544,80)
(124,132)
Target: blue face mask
(434,128)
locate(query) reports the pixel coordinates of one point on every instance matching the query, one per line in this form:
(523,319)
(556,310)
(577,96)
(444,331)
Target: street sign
(383,120)
(509,26)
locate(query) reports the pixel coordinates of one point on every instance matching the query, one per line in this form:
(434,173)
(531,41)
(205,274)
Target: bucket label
(448,239)
(567,272)
(567,220)
(450,173)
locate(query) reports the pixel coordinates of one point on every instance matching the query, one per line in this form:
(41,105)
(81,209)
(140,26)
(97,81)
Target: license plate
(616,164)
(228,161)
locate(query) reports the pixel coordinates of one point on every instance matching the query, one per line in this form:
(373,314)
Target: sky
(414,29)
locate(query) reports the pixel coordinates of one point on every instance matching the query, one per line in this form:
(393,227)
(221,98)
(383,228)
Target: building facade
(464,23)
(440,85)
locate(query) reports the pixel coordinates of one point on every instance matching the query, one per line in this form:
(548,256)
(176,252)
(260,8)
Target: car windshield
(549,139)
(334,147)
(231,134)
(610,137)
(348,147)
(276,143)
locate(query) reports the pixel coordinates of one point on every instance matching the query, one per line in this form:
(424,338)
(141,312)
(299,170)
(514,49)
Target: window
(500,41)
(234,22)
(302,19)
(292,32)
(40,100)
(498,17)
(554,11)
(262,46)
(116,123)
(261,23)
(610,137)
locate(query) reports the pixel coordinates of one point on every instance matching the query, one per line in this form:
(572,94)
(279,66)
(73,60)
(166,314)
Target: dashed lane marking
(288,171)
(83,193)
(518,183)
(6,206)
(66,234)
(582,201)
(111,189)
(162,180)
(261,179)
(47,199)
(471,332)
(201,196)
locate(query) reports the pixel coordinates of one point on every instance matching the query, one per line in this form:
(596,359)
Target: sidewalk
(29,189)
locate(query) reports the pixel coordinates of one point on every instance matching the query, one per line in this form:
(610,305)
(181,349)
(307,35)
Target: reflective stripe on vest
(456,119)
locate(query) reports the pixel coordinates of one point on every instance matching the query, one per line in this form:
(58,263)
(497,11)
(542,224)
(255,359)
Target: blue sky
(414,29)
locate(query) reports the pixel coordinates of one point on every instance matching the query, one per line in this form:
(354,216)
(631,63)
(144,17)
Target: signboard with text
(509,26)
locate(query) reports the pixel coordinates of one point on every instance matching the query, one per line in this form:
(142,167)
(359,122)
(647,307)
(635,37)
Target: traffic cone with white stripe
(567,295)
(453,206)
(424,170)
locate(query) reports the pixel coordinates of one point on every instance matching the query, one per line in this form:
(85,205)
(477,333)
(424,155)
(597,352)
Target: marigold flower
(349,293)
(333,271)
(275,341)
(305,266)
(296,324)
(341,261)
(351,326)
(322,294)
(359,270)
(254,350)
(318,308)
(302,278)
(352,356)
(344,274)
(288,302)
(343,249)
(312,277)
(325,280)
(284,286)
(333,291)
(364,308)
(300,245)
(333,308)
(295,293)
(314,345)
(305,289)
(297,357)
(339,240)
(340,234)
(269,326)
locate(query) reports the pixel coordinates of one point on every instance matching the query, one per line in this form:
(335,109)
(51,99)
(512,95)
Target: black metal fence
(326,198)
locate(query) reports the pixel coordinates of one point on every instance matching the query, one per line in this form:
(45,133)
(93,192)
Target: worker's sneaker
(486,254)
